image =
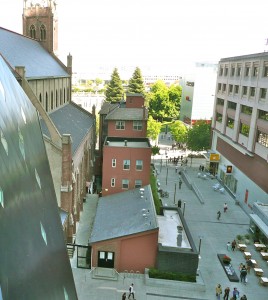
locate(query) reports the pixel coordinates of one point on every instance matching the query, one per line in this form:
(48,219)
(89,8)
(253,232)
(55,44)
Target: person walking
(235,294)
(124,296)
(228,246)
(249,265)
(225,207)
(226,293)
(180,183)
(218,215)
(131,291)
(233,245)
(243,274)
(218,291)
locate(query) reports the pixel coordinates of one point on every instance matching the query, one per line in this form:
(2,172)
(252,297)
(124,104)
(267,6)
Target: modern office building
(240,127)
(198,93)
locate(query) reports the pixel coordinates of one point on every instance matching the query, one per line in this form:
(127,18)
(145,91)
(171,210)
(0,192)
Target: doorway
(105,259)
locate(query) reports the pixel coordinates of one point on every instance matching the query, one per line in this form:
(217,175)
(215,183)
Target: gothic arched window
(43,32)
(32,32)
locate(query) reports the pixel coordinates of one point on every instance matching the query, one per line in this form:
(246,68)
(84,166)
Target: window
(138,183)
(230,89)
(232,105)
(139,164)
(230,123)
(32,32)
(126,164)
(246,110)
(232,71)
(224,88)
(112,182)
(262,138)
(244,129)
(226,72)
(219,87)
(263,115)
(255,71)
(219,117)
(263,92)
(220,101)
(113,163)
(238,71)
(245,90)
(137,125)
(125,183)
(221,71)
(252,91)
(247,71)
(120,125)
(265,71)
(43,34)
(236,89)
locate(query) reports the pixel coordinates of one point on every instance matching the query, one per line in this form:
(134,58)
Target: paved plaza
(209,234)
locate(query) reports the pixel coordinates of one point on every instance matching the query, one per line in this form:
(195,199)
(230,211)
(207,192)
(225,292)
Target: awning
(258,221)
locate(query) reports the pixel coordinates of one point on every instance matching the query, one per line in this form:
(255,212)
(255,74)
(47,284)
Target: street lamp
(175,193)
(183,208)
(200,242)
(167,176)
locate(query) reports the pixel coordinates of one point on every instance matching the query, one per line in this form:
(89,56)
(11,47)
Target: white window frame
(139,165)
(112,182)
(120,125)
(126,164)
(139,185)
(137,125)
(125,182)
(113,162)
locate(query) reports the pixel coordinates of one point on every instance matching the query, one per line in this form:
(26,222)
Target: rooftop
(127,142)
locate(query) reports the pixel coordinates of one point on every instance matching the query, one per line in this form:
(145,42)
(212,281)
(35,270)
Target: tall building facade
(240,127)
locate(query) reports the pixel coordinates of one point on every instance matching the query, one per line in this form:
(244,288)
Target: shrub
(239,237)
(226,259)
(154,273)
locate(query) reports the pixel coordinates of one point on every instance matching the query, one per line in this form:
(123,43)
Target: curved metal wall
(33,258)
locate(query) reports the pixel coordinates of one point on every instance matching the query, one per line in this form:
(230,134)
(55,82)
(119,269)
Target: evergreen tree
(136,84)
(114,91)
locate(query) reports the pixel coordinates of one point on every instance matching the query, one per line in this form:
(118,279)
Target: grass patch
(154,273)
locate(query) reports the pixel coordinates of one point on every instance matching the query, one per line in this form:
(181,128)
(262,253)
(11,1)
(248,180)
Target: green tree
(153,128)
(114,91)
(199,136)
(178,131)
(136,84)
(162,104)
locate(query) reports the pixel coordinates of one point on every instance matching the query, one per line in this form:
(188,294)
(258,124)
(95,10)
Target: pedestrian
(203,168)
(180,183)
(235,294)
(186,161)
(200,168)
(124,296)
(244,297)
(243,274)
(240,266)
(225,207)
(249,265)
(226,293)
(233,245)
(218,291)
(218,215)
(176,169)
(228,246)
(131,291)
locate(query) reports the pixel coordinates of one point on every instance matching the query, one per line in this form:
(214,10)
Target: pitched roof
(128,214)
(71,119)
(19,50)
(123,113)
(107,107)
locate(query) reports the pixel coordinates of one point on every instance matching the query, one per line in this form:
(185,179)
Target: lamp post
(200,242)
(183,211)
(167,176)
(175,193)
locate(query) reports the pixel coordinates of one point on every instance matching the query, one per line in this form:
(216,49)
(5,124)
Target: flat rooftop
(128,143)
(168,230)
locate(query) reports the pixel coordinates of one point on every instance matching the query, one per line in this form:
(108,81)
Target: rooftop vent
(125,142)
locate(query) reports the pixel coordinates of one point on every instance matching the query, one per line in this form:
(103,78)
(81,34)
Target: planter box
(228,268)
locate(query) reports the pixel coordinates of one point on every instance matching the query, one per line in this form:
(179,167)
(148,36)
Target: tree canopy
(114,91)
(179,131)
(136,84)
(153,128)
(199,136)
(164,102)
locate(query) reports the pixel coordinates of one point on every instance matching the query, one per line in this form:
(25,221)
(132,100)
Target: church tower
(40,22)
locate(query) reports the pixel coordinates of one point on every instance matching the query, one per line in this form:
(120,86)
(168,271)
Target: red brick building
(126,152)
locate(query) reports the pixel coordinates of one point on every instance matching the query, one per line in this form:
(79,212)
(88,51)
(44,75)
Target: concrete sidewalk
(208,233)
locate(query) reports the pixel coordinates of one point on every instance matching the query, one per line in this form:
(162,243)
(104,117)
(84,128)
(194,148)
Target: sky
(159,36)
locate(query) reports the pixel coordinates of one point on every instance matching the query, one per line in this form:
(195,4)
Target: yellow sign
(214,157)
